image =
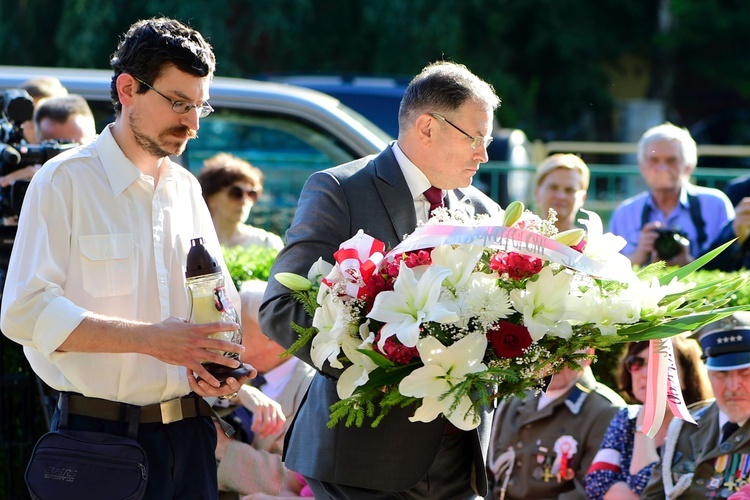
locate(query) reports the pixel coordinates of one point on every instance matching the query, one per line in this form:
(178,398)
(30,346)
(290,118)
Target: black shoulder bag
(71,465)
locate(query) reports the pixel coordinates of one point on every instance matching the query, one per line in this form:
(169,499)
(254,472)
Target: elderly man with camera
(674,220)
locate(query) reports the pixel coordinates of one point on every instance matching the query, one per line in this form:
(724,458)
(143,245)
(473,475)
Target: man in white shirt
(95,290)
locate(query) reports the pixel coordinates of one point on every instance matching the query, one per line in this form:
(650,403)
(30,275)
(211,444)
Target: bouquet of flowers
(467,310)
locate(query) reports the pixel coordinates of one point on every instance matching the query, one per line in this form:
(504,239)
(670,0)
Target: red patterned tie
(435,197)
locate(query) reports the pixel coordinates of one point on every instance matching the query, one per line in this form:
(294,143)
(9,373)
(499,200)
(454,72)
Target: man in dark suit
(445,124)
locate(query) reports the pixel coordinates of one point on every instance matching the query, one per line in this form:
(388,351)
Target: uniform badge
(565,448)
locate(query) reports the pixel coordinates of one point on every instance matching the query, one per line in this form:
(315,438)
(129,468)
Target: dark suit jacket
(369,194)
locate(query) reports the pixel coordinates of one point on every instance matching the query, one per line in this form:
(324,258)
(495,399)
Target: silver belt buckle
(171,411)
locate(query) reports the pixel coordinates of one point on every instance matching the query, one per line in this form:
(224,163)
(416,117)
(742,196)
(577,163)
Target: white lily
(318,270)
(605,248)
(444,367)
(411,303)
(359,372)
(461,260)
(606,312)
(333,326)
(650,293)
(544,304)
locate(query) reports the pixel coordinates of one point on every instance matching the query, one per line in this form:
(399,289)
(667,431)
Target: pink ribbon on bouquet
(507,239)
(357,259)
(662,388)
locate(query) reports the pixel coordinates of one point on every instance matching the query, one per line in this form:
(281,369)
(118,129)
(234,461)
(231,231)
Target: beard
(166,143)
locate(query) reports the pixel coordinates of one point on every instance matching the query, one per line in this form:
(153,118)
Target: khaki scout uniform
(526,440)
(700,467)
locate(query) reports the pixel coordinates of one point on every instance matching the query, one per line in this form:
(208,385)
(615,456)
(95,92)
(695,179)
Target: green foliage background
(552,61)
(249,263)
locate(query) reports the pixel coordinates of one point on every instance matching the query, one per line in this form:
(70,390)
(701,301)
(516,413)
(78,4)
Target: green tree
(550,60)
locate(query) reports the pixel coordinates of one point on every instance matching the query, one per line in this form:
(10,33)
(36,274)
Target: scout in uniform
(712,459)
(542,446)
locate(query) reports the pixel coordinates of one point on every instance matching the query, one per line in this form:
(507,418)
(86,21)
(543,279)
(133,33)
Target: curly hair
(151,45)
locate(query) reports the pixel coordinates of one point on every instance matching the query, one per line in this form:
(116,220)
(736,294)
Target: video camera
(17,107)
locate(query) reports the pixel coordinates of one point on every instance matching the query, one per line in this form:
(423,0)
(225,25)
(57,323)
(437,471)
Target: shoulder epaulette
(575,399)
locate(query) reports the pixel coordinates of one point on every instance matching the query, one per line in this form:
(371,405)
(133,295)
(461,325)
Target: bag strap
(698,222)
(63,407)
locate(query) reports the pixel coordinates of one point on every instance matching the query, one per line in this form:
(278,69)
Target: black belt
(166,412)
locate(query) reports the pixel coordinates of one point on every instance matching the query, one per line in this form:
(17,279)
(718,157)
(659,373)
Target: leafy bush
(246,263)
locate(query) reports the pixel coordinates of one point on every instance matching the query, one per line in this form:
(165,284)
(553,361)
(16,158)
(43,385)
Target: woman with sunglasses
(622,467)
(231,186)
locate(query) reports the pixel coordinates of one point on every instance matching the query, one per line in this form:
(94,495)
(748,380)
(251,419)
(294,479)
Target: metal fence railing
(610,185)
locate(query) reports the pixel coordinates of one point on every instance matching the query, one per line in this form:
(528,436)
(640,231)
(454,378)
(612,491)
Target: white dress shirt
(416,180)
(96,236)
(278,377)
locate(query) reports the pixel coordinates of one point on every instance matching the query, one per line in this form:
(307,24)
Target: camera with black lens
(669,243)
(17,107)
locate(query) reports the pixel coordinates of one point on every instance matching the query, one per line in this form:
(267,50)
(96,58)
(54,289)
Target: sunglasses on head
(634,363)
(237,193)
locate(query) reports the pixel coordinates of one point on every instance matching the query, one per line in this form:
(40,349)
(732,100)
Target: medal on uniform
(537,473)
(542,472)
(743,471)
(542,453)
(565,448)
(729,483)
(548,470)
(720,464)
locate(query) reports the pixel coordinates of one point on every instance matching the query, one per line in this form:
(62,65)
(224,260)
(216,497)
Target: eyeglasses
(238,193)
(634,363)
(183,107)
(475,141)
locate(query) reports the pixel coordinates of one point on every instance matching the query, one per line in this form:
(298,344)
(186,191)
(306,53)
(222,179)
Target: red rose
(509,340)
(516,265)
(396,351)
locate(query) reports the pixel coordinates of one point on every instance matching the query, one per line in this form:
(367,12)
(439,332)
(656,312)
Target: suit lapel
(394,193)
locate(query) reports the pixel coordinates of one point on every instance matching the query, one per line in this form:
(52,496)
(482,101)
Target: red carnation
(396,351)
(509,340)
(376,284)
(411,259)
(418,258)
(516,265)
